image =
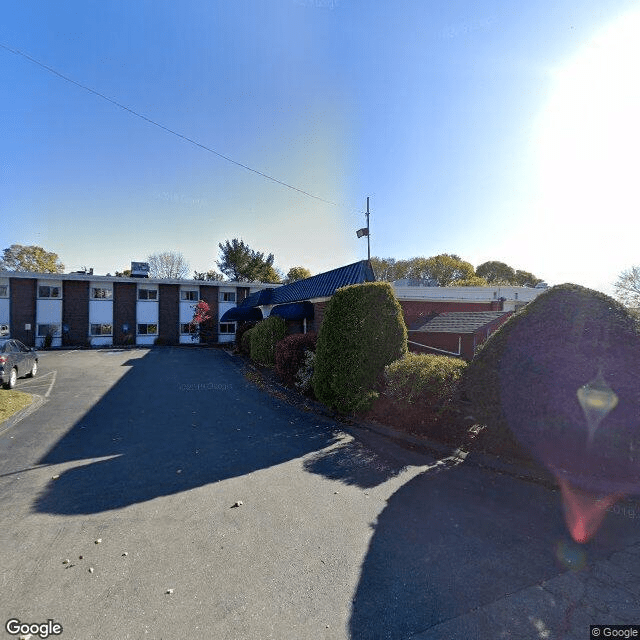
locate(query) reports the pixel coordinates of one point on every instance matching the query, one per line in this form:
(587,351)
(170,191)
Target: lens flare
(597,400)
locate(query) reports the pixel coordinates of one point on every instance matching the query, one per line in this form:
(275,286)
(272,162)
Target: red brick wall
(210,295)
(414,310)
(23,309)
(75,312)
(318,316)
(124,312)
(168,313)
(241,294)
(444,341)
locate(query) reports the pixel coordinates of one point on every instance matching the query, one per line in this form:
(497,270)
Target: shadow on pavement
(178,419)
(450,542)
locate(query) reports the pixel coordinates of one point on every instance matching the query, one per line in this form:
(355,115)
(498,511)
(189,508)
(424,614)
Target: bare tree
(627,287)
(168,264)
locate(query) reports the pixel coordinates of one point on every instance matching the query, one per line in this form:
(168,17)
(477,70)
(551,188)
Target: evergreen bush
(290,352)
(241,329)
(363,331)
(428,380)
(245,341)
(264,337)
(524,382)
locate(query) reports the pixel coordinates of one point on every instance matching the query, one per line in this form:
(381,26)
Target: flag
(362,232)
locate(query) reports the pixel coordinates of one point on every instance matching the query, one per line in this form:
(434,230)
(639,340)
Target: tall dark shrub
(290,354)
(363,331)
(264,337)
(529,376)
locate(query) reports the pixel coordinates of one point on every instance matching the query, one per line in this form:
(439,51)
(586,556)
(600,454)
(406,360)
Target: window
(147,294)
(4,291)
(101,329)
(187,328)
(147,329)
(227,296)
(48,329)
(227,327)
(189,295)
(47,291)
(98,293)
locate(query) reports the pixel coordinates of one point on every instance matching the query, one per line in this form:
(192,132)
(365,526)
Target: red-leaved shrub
(290,354)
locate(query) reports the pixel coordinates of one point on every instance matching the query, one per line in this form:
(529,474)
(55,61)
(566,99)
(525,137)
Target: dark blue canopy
(241,314)
(294,310)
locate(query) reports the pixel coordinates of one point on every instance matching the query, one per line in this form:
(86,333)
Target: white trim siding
(48,311)
(147,313)
(189,296)
(100,313)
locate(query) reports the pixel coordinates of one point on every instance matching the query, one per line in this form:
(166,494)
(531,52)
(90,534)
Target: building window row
(147,329)
(147,294)
(4,291)
(47,291)
(104,329)
(45,330)
(99,293)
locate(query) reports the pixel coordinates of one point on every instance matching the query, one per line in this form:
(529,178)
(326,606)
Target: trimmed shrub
(524,383)
(241,329)
(420,396)
(245,341)
(264,337)
(424,379)
(363,331)
(290,353)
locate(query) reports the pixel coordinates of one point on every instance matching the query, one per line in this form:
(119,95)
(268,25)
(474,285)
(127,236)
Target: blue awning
(294,310)
(241,314)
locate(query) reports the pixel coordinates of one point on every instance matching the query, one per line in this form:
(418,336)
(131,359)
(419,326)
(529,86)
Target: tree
(473,281)
(239,262)
(123,274)
(494,271)
(627,287)
(30,258)
(168,264)
(523,278)
(208,275)
(297,273)
(443,268)
(389,269)
(200,325)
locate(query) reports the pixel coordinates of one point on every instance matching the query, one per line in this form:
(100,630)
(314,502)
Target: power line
(161,126)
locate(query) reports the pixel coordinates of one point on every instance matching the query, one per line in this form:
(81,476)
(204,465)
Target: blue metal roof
(294,310)
(323,285)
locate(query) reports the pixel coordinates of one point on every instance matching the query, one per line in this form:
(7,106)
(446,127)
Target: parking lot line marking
(53,381)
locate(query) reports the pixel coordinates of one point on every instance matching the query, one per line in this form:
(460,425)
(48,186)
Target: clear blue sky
(486,128)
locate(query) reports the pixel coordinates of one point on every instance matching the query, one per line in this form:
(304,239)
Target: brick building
(82,309)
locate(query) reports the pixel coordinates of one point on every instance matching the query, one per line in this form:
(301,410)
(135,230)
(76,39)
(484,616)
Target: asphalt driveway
(222,512)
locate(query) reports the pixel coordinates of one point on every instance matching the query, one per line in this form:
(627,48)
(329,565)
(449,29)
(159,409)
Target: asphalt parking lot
(158,493)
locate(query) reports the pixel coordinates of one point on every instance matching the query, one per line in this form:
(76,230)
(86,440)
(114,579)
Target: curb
(490,462)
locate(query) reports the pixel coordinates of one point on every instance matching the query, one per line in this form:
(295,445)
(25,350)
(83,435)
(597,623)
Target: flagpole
(368,234)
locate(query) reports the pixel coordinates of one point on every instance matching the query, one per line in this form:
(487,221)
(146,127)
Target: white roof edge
(97,278)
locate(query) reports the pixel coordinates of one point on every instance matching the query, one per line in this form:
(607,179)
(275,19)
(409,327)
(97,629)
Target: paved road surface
(336,537)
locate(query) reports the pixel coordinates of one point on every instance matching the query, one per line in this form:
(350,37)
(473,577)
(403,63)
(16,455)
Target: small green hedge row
(428,380)
(264,337)
(362,331)
(290,353)
(243,343)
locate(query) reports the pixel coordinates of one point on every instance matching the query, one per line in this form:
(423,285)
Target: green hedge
(429,380)
(290,353)
(362,331)
(244,345)
(264,337)
(524,380)
(245,341)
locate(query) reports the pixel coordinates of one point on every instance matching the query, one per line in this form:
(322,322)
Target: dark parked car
(16,360)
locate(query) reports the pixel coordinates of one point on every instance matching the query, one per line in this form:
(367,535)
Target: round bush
(363,331)
(264,337)
(527,379)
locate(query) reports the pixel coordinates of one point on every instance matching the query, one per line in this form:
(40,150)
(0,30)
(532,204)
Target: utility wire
(161,126)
